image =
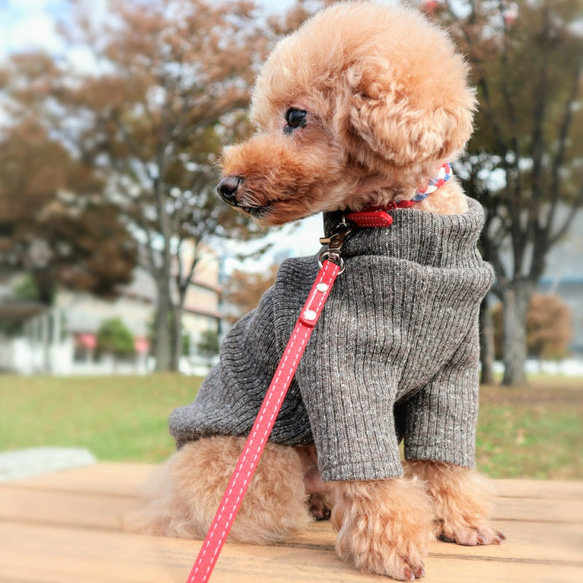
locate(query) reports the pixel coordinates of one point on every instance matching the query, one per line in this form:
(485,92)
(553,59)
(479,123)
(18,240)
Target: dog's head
(357,107)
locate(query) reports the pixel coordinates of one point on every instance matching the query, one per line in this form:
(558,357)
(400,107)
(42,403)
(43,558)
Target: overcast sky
(26,24)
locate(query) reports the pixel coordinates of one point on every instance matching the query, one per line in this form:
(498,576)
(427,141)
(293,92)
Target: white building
(63,339)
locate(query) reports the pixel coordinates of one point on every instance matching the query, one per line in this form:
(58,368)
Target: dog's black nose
(227,189)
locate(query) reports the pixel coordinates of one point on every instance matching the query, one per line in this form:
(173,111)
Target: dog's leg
(321,495)
(193,482)
(462,500)
(384,526)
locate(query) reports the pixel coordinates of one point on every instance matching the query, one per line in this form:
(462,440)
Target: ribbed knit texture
(394,355)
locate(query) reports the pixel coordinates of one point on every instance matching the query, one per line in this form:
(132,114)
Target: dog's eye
(295,118)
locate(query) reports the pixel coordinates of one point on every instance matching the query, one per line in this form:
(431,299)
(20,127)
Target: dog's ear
(403,122)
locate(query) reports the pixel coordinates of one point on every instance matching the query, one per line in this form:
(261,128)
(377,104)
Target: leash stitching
(274,398)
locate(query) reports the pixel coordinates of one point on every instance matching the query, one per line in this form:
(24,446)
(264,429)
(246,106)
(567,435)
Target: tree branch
(569,221)
(482,83)
(505,89)
(564,129)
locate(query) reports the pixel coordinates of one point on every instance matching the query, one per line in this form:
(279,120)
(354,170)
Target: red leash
(331,267)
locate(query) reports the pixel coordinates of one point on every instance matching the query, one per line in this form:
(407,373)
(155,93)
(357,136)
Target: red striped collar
(379,217)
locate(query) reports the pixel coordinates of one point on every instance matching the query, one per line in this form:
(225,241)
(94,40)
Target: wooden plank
(530,534)
(64,508)
(561,490)
(549,510)
(127,479)
(59,506)
(527,540)
(33,554)
(118,479)
(98,497)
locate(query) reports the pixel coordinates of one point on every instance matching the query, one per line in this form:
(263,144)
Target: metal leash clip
(334,243)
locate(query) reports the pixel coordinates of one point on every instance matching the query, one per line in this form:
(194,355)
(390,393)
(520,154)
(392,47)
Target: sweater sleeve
(231,395)
(440,420)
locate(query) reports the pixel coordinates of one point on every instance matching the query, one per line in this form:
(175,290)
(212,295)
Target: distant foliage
(113,337)
(185,344)
(26,289)
(244,289)
(53,220)
(208,345)
(548,328)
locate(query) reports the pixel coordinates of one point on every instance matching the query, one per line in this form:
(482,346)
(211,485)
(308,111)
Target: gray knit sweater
(394,355)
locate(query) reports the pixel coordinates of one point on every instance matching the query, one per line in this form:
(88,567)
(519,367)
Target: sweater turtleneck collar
(423,237)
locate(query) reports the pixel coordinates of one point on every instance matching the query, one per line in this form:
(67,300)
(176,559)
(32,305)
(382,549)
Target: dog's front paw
(384,527)
(469,532)
(465,533)
(462,500)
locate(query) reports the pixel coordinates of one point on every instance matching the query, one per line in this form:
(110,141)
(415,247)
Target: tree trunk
(162,329)
(515,297)
(486,343)
(177,334)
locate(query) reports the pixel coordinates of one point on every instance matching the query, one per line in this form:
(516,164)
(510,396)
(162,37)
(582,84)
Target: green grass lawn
(116,418)
(533,432)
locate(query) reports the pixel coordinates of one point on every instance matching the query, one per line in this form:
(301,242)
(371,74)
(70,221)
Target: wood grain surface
(68,527)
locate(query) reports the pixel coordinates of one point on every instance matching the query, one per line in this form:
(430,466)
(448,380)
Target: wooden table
(67,527)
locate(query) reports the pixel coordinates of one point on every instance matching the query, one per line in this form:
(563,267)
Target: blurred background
(117,259)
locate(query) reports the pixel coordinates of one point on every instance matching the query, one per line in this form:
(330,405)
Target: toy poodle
(357,110)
